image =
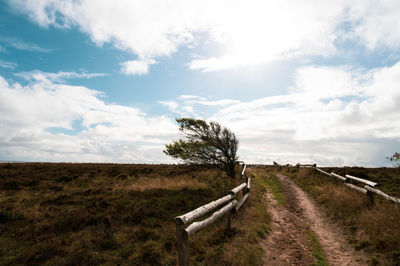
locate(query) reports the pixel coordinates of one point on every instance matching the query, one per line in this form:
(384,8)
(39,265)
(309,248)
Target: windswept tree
(395,159)
(205,143)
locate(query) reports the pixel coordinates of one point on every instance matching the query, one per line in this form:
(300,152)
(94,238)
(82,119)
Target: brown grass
(145,183)
(87,214)
(374,228)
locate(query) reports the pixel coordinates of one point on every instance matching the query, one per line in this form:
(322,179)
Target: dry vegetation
(68,214)
(373,228)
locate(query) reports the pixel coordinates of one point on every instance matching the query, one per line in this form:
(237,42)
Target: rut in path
(289,241)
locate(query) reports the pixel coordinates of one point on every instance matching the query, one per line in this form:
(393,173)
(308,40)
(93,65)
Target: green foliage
(317,250)
(395,159)
(273,183)
(205,143)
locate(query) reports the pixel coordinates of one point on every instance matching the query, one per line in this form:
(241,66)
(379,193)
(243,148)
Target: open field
(68,214)
(65,214)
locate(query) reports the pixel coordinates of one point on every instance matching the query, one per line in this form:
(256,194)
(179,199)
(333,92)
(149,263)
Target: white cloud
(190,97)
(376,23)
(60,76)
(248,32)
(7,64)
(137,67)
(224,62)
(193,105)
(224,102)
(22,45)
(331,116)
(171,105)
(312,80)
(314,122)
(102,132)
(199,100)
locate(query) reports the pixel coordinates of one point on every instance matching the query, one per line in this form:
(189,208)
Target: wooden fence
(232,206)
(368,189)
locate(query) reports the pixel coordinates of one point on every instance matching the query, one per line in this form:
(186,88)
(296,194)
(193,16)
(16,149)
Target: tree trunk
(230,170)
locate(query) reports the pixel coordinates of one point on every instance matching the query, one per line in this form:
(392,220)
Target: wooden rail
(369,189)
(359,189)
(369,183)
(382,194)
(339,177)
(232,206)
(242,173)
(322,171)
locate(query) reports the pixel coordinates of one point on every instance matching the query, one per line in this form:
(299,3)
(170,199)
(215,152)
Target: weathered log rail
(382,194)
(344,179)
(368,189)
(369,183)
(232,207)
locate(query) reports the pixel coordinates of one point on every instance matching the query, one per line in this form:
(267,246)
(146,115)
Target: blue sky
(102,81)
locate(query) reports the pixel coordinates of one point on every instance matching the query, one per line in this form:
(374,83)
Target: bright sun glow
(267,31)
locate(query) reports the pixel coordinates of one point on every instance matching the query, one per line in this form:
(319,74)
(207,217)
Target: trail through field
(293,225)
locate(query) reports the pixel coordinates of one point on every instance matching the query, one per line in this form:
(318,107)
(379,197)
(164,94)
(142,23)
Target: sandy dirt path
(289,241)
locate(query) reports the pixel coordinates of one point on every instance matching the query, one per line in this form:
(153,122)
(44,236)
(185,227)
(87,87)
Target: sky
(296,81)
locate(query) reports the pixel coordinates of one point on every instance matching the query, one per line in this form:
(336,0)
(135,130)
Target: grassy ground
(318,253)
(273,183)
(68,214)
(373,228)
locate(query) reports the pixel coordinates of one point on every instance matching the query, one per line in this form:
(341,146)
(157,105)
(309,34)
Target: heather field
(102,214)
(68,214)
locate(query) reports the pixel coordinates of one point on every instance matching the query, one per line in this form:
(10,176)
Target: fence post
(245,190)
(183,247)
(370,196)
(229,220)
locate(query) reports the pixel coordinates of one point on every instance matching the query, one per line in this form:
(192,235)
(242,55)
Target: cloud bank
(249,32)
(331,116)
(342,115)
(47,121)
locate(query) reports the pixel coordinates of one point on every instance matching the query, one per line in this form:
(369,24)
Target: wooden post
(383,194)
(370,196)
(183,245)
(229,220)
